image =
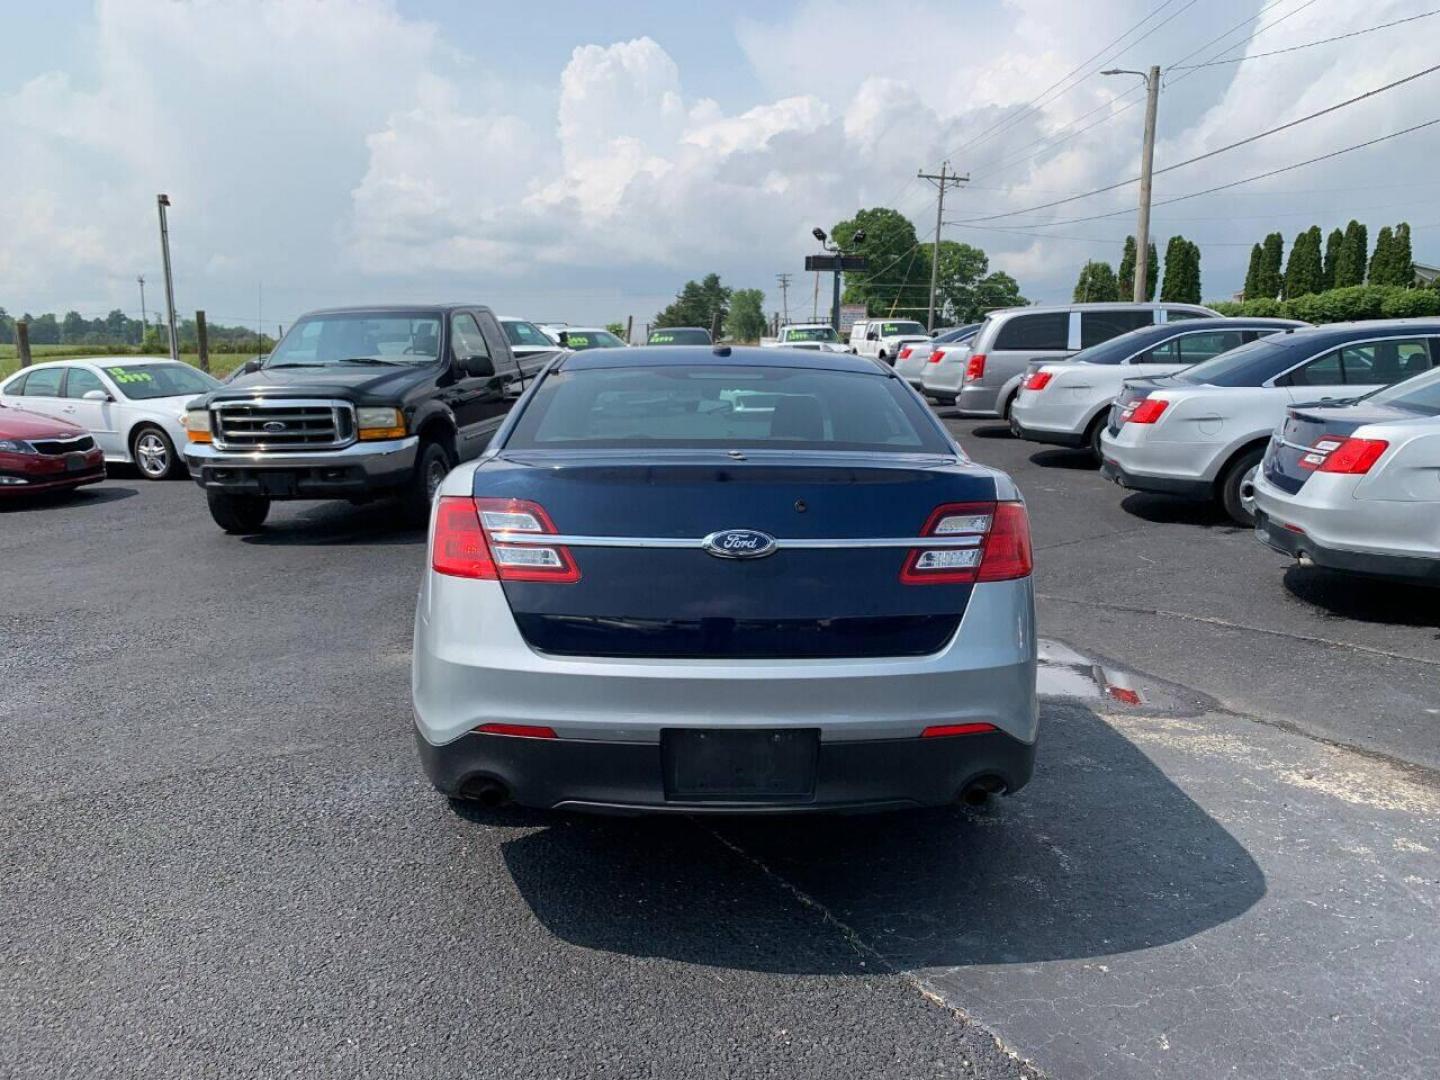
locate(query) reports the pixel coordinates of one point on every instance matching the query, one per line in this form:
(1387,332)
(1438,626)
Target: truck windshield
(811,333)
(337,338)
(724,407)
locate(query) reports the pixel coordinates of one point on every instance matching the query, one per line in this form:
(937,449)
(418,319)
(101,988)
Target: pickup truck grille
(79,444)
(262,426)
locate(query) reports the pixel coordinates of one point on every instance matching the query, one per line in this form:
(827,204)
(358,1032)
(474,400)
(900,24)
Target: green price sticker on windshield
(662,339)
(577,339)
(124,375)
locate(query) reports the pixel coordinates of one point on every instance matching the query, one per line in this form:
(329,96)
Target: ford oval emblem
(274,425)
(739,544)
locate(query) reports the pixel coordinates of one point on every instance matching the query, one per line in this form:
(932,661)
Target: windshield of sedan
(389,337)
(1420,394)
(579,340)
(724,407)
(811,333)
(1246,365)
(681,336)
(141,382)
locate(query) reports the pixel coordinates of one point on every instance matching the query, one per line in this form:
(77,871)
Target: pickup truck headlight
(197,425)
(380,423)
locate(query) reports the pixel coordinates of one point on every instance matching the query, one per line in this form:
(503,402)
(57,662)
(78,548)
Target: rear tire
(431,468)
(1092,438)
(1237,486)
(238,514)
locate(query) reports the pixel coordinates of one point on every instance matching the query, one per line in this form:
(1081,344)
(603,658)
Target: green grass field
(221,364)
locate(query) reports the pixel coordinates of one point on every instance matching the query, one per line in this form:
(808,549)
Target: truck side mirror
(479,367)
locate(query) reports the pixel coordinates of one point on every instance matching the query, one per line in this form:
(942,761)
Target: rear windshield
(682,336)
(140,382)
(1420,394)
(811,333)
(695,407)
(1248,365)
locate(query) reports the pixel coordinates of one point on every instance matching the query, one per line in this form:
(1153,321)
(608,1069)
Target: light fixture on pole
(1147,160)
(837,259)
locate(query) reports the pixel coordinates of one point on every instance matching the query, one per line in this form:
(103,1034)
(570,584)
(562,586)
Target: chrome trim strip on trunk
(972,540)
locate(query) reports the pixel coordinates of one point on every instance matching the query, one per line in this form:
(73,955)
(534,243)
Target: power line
(1237,183)
(1307,45)
(1220,150)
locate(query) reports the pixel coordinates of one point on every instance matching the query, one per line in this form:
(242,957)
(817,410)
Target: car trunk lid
(660,594)
(1293,457)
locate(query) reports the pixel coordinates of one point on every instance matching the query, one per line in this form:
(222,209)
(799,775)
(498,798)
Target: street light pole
(144,319)
(161,202)
(1147,161)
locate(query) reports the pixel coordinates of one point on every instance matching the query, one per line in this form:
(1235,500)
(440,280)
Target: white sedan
(1066,402)
(132,405)
(1202,433)
(1357,488)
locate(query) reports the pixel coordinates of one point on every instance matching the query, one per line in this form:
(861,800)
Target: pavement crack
(1210,620)
(864,949)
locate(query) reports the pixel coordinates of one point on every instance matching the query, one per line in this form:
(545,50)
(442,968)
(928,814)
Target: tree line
(1344,262)
(119,330)
(738,314)
(1099,281)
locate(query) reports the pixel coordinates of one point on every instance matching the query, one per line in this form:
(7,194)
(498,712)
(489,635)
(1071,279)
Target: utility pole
(144,320)
(942,181)
(161,202)
(784,282)
(1147,161)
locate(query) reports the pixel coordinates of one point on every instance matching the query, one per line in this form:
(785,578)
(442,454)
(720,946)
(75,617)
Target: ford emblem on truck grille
(274,425)
(739,544)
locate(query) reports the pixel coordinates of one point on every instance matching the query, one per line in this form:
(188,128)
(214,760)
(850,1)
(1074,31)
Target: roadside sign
(836,262)
(850,314)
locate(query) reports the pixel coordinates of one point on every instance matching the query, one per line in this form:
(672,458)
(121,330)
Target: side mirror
(96,395)
(479,367)
(873,335)
(252,366)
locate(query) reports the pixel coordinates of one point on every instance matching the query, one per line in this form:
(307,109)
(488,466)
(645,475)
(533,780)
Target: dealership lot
(224,859)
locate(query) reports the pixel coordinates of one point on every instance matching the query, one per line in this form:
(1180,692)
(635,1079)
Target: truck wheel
(152,452)
(430,469)
(238,514)
(1237,486)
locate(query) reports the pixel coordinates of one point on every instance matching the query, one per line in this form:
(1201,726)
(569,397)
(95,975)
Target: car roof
(382,309)
(736,355)
(662,329)
(1340,333)
(1106,305)
(1229,322)
(105,361)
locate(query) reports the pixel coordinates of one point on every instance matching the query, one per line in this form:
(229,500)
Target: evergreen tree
(1126,274)
(746,321)
(1350,262)
(1152,270)
(1175,285)
(1252,273)
(1402,257)
(1305,272)
(1097,282)
(1192,273)
(1274,254)
(1380,258)
(1332,255)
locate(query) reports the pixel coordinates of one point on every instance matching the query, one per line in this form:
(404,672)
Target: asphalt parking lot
(222,859)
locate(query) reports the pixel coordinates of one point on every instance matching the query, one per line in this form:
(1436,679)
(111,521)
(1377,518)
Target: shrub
(1226,307)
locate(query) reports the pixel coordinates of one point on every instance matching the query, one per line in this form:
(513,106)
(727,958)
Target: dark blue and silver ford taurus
(725,580)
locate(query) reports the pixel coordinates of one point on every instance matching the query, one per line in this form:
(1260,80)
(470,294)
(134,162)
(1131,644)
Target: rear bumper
(614,777)
(1041,435)
(1162,485)
(357,469)
(1300,545)
(978,400)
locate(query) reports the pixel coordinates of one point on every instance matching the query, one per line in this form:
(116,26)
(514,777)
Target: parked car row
(1326,439)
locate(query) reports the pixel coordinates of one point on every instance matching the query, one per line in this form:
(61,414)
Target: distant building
(1426,275)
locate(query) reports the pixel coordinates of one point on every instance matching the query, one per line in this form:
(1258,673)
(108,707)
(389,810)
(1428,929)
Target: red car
(38,453)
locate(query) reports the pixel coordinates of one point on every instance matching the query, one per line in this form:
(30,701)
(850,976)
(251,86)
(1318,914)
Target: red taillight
(975,369)
(1038,381)
(1000,550)
(519,731)
(941,731)
(937,356)
(905,353)
(491,539)
(1148,411)
(1336,455)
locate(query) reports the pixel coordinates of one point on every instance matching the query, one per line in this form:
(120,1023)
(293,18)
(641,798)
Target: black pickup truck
(355,403)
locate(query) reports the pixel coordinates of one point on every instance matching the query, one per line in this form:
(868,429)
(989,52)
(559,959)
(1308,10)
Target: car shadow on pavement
(993,431)
(55,501)
(334,524)
(1101,854)
(1062,458)
(1168,510)
(1371,600)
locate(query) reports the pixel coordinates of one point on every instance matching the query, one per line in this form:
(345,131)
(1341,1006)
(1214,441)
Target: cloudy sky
(566,159)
